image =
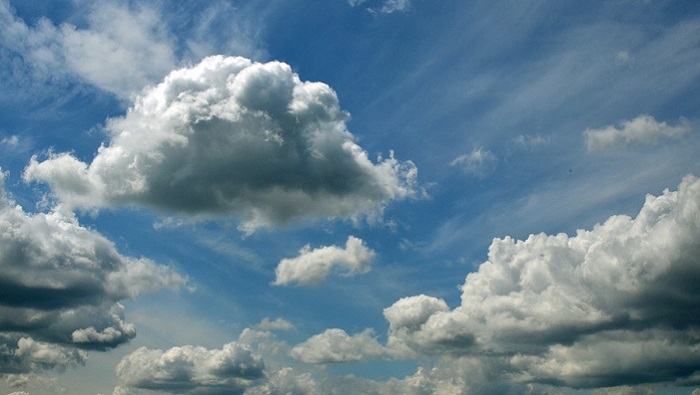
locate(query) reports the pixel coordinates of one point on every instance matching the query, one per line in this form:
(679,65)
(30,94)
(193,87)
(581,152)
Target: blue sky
(349,197)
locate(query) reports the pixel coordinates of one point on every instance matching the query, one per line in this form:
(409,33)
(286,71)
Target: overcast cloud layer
(230,136)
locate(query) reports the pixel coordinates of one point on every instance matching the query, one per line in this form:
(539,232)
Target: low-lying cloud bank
(229,136)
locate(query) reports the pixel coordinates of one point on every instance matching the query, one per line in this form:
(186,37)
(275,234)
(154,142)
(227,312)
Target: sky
(349,197)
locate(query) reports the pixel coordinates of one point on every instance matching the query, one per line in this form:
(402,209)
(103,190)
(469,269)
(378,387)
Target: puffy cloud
(335,345)
(567,308)
(27,355)
(192,370)
(312,266)
(477,163)
(643,130)
(230,136)
(61,286)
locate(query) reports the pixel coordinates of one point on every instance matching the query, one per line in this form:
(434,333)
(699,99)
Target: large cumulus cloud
(562,305)
(230,136)
(618,305)
(61,287)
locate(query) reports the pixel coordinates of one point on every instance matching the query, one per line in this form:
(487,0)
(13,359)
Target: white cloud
(121,50)
(335,345)
(229,136)
(312,266)
(643,130)
(192,370)
(561,304)
(278,324)
(477,163)
(62,284)
(388,6)
(12,141)
(286,382)
(529,141)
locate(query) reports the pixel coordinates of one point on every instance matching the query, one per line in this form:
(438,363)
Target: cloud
(192,370)
(62,284)
(120,51)
(388,7)
(278,324)
(477,163)
(286,382)
(312,266)
(335,345)
(231,137)
(563,306)
(643,130)
(121,48)
(27,355)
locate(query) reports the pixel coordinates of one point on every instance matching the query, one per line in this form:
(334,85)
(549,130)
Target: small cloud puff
(478,163)
(232,137)
(312,266)
(643,130)
(388,7)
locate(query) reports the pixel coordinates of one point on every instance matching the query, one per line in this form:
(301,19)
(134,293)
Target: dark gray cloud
(230,136)
(61,287)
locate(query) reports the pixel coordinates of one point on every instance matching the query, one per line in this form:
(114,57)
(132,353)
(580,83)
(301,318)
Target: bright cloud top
(312,266)
(61,286)
(230,136)
(643,130)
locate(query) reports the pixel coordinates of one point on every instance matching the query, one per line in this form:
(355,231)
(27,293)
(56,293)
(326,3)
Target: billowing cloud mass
(230,136)
(643,130)
(477,163)
(335,345)
(312,266)
(613,306)
(61,286)
(192,370)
